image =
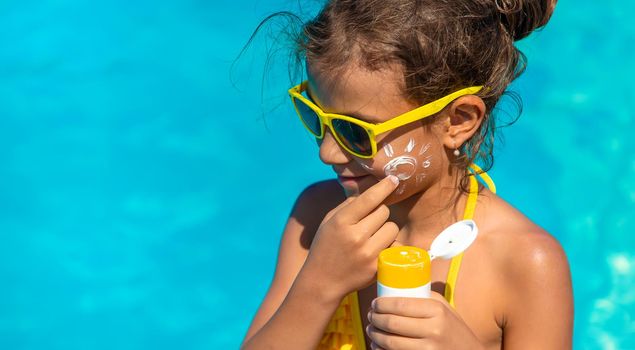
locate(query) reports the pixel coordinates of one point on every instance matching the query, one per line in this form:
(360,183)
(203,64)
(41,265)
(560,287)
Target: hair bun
(522,17)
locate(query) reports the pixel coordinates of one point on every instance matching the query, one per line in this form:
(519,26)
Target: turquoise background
(142,194)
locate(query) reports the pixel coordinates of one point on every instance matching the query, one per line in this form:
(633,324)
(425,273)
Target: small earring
(456,150)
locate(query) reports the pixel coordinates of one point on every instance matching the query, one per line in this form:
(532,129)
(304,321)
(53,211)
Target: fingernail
(369,315)
(394,179)
(373,304)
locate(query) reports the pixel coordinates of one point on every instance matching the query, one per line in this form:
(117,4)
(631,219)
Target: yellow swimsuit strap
(468,214)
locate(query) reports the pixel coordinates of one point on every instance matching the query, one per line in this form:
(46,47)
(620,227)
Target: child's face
(413,152)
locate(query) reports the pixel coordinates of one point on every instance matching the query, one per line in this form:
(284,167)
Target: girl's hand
(343,255)
(413,323)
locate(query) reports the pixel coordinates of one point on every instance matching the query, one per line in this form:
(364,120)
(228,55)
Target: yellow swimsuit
(344,331)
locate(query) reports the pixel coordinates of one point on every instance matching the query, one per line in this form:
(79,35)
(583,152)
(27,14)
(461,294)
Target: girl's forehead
(374,96)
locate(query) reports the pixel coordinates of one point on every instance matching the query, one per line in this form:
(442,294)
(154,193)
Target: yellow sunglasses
(357,136)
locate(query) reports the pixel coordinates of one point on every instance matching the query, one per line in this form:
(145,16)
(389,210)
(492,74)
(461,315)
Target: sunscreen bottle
(403,271)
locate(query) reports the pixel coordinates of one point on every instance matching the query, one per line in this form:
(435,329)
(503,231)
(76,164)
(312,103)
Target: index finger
(336,209)
(370,199)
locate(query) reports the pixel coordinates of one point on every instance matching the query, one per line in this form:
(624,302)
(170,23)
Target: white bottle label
(419,292)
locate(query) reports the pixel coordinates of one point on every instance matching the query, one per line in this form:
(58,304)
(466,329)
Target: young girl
(400,95)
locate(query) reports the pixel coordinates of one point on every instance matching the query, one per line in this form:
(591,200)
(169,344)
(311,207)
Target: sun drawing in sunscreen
(405,166)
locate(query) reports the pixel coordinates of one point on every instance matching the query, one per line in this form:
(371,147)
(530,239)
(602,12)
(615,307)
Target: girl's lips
(349,180)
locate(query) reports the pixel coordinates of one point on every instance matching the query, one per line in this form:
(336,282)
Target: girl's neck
(422,216)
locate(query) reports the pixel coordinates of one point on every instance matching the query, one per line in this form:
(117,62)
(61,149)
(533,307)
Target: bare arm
(540,296)
(293,311)
(300,320)
(342,258)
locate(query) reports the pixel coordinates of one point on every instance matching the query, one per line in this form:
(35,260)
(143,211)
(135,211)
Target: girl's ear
(465,116)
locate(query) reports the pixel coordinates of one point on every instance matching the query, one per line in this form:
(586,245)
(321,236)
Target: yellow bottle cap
(403,267)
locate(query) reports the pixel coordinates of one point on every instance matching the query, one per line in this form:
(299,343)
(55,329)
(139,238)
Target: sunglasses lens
(308,116)
(353,136)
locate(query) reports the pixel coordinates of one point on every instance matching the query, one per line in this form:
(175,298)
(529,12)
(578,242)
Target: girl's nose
(330,151)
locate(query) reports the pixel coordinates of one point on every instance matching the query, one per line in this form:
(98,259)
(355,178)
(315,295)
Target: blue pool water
(142,194)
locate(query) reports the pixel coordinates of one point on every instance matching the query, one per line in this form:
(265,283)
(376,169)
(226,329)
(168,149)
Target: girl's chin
(357,188)
(391,199)
(352,191)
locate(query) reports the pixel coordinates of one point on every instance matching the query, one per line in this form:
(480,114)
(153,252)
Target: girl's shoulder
(525,254)
(512,235)
(530,279)
(312,205)
(319,197)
